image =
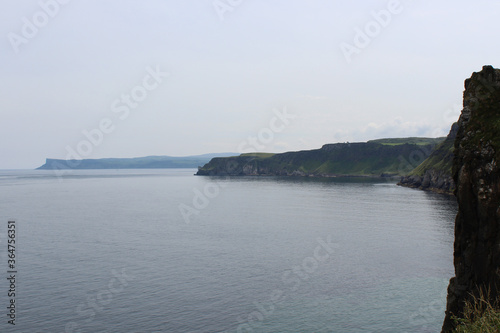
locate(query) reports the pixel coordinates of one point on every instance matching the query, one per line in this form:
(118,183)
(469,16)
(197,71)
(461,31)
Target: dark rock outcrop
(432,180)
(477,175)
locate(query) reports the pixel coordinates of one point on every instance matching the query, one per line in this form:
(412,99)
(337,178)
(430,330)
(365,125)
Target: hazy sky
(343,70)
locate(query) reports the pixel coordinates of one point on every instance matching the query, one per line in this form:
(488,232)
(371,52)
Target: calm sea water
(111,251)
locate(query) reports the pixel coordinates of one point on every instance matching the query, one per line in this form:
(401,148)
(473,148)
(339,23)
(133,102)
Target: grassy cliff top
(441,158)
(411,141)
(388,157)
(259,155)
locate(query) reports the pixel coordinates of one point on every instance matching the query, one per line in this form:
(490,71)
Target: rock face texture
(477,177)
(431,180)
(339,159)
(435,173)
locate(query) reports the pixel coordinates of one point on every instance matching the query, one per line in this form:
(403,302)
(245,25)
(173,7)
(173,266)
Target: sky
(131,78)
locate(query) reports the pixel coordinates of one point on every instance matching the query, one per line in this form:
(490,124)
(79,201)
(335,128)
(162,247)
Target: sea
(164,250)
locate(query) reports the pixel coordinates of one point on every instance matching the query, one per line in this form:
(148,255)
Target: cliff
(434,174)
(149,162)
(476,173)
(385,157)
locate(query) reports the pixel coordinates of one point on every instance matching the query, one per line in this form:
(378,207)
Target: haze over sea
(109,251)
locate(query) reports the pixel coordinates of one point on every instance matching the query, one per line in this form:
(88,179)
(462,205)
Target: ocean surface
(167,251)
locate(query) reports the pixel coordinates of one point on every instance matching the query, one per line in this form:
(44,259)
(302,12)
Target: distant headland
(149,162)
(376,158)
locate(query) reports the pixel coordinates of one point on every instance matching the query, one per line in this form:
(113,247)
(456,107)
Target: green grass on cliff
(357,159)
(411,141)
(441,158)
(259,155)
(480,316)
(344,159)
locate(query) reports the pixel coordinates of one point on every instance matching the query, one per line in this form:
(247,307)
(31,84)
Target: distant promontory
(149,162)
(383,157)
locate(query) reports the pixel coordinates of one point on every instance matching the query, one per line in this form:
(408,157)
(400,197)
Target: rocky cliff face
(432,180)
(435,173)
(476,174)
(340,159)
